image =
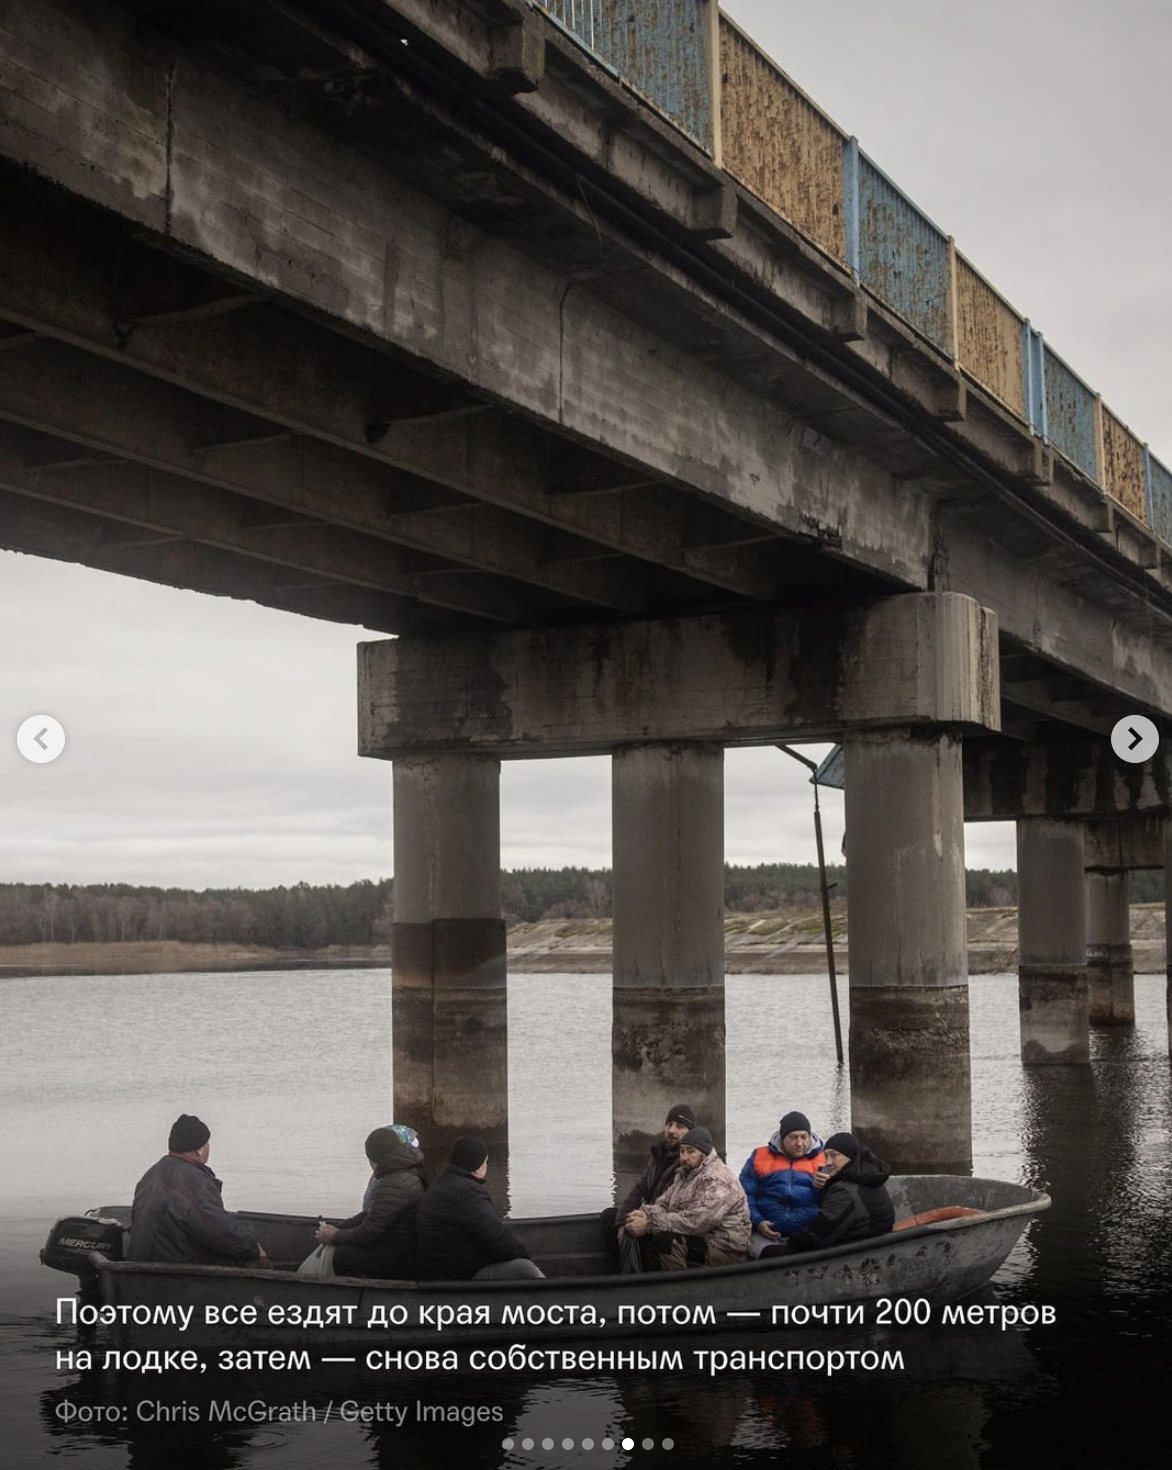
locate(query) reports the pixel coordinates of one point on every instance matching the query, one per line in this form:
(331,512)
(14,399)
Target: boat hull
(940,1261)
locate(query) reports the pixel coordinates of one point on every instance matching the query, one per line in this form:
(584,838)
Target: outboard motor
(71,1246)
(72,1239)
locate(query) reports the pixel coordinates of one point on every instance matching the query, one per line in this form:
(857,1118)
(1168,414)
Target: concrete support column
(1052,938)
(1110,969)
(449,985)
(909,1028)
(1168,926)
(668,1035)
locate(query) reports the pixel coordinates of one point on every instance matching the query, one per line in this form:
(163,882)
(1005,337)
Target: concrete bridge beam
(668,1029)
(1110,968)
(449,987)
(909,1028)
(1052,942)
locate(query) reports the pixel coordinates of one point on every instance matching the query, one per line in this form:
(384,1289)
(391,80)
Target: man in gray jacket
(178,1212)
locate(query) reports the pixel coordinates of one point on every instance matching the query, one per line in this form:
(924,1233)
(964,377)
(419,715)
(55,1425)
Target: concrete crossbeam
(1124,845)
(738,678)
(1068,780)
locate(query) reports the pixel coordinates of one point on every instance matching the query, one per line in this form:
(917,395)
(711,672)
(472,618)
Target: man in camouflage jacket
(702,1219)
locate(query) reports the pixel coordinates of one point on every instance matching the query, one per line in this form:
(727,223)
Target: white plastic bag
(320,1262)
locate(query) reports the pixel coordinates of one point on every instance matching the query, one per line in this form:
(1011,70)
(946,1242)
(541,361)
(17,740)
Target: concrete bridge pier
(668,1028)
(1052,941)
(1110,968)
(909,1027)
(449,979)
(1168,926)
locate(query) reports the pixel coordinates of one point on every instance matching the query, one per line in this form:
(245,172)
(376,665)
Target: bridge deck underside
(536,407)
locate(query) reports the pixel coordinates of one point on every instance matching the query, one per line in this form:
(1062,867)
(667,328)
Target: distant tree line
(313,916)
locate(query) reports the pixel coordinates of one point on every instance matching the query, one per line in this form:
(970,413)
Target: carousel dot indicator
(669,1444)
(526,1444)
(608,1444)
(648,1444)
(567,1444)
(547,1444)
(628,1444)
(587,1444)
(506,1444)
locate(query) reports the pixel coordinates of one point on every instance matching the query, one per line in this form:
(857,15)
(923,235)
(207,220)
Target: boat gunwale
(1038,1201)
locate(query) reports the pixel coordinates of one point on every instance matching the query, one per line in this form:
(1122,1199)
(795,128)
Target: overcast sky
(213,743)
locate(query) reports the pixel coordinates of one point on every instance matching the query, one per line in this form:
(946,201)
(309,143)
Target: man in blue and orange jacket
(782,1183)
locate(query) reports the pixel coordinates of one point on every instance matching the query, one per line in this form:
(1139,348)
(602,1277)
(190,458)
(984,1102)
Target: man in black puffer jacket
(661,1169)
(854,1205)
(459,1235)
(380,1240)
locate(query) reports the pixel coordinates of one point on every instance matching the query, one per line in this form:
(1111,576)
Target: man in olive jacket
(178,1212)
(459,1235)
(380,1240)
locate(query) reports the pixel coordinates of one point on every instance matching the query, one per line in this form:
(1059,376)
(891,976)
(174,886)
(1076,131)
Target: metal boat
(940,1260)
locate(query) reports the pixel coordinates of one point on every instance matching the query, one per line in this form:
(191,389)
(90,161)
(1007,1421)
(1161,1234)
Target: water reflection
(974,1396)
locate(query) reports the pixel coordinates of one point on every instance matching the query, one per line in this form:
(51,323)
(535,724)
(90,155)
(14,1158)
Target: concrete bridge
(572,345)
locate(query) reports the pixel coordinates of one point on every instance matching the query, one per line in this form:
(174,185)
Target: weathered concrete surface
(1167,919)
(1124,845)
(1068,780)
(292,191)
(737,678)
(1052,928)
(668,1028)
(1110,964)
(911,1085)
(449,988)
(909,1032)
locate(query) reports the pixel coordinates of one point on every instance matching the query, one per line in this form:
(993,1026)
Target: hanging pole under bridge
(813,768)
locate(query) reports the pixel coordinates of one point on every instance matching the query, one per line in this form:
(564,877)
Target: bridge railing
(662,49)
(703,73)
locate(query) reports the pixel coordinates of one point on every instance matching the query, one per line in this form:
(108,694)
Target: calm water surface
(292,1070)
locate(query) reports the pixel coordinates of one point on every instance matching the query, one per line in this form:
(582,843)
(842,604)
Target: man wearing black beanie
(661,1168)
(854,1205)
(178,1212)
(458,1234)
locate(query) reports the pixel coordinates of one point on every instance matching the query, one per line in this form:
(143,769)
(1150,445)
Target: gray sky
(212,742)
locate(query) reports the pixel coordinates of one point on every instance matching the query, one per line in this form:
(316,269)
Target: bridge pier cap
(746,677)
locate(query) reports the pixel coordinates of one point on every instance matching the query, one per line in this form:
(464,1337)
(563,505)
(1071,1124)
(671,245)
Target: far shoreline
(757,944)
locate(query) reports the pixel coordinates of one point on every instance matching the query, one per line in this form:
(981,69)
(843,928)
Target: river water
(292,1070)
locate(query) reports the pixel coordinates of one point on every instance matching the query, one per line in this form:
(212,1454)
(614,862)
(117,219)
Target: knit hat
(187,1134)
(682,1113)
(469,1153)
(844,1143)
(793,1123)
(698,1137)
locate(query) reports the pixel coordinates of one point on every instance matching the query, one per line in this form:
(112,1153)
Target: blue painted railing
(702,73)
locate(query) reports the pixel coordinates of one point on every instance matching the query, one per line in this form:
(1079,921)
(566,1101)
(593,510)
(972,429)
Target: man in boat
(380,1240)
(662,1164)
(782,1183)
(459,1235)
(855,1204)
(701,1219)
(178,1212)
